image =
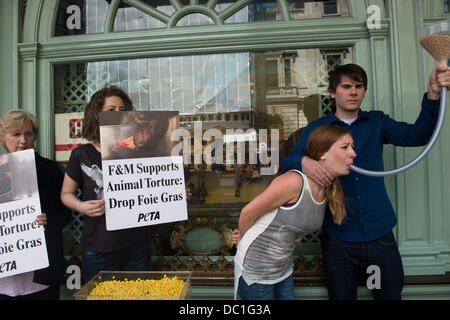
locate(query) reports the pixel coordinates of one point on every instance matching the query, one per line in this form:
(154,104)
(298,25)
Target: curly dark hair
(91,128)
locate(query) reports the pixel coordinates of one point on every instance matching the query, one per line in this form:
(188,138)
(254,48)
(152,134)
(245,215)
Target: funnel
(435,39)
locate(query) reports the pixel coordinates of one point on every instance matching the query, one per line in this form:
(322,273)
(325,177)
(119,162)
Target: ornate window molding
(106,16)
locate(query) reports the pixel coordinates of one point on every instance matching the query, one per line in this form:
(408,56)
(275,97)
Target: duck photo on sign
(137,134)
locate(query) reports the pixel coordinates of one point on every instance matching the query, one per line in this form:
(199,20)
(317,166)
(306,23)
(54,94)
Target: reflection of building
(295,83)
(318,9)
(283,89)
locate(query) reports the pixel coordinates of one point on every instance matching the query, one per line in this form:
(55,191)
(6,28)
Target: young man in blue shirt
(365,238)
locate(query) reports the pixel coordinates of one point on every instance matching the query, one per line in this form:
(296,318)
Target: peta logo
(374,17)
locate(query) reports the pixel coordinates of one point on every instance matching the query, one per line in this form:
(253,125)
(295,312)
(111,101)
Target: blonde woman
(18,131)
(292,206)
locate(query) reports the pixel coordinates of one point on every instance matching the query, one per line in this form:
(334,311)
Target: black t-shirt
(85,167)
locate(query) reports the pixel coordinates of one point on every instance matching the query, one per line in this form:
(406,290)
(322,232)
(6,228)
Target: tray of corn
(137,285)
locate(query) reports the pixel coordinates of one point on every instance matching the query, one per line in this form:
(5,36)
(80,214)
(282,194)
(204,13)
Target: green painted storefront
(397,67)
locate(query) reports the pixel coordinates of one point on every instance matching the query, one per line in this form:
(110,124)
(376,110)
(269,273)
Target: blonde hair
(14,120)
(319,142)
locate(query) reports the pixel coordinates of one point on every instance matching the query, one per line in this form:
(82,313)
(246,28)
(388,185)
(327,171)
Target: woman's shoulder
(289,179)
(87,147)
(295,174)
(85,150)
(46,165)
(42,161)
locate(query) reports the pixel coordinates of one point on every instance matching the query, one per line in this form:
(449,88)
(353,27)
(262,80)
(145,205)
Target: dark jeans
(132,258)
(283,290)
(344,261)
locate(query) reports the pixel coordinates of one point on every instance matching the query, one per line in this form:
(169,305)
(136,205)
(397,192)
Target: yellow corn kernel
(129,289)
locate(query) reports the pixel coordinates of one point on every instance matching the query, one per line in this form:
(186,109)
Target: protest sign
(22,241)
(142,183)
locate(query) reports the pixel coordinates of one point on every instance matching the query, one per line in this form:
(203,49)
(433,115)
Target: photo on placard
(137,134)
(23,247)
(14,184)
(142,182)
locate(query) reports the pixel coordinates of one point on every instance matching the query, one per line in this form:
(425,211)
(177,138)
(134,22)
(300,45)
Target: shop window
(91,16)
(229,92)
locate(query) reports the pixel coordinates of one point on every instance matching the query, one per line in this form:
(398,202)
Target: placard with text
(142,183)
(22,240)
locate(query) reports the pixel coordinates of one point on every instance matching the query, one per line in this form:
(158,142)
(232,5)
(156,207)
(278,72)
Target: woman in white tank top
(291,207)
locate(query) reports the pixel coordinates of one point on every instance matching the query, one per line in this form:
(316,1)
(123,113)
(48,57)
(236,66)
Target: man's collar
(361,115)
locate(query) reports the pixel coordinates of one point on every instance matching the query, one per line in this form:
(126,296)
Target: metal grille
(326,104)
(74,95)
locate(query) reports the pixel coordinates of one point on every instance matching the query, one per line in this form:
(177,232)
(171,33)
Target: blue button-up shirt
(370,214)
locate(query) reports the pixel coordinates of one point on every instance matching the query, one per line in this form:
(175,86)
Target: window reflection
(130,18)
(230,104)
(303,9)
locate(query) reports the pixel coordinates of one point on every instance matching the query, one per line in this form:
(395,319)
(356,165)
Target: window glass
(264,10)
(253,103)
(89,16)
(131,18)
(194,19)
(303,9)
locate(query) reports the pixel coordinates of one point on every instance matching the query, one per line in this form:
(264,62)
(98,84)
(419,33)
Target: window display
(240,114)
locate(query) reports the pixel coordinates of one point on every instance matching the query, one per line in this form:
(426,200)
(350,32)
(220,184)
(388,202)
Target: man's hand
(314,170)
(440,77)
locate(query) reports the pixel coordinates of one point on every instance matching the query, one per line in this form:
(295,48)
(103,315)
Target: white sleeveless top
(264,254)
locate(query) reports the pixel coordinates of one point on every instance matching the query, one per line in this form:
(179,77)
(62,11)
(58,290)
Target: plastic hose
(433,139)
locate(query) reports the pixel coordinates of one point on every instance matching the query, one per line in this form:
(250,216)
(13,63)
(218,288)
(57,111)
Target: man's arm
(297,159)
(418,134)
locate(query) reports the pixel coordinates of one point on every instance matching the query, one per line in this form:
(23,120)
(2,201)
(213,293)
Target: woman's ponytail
(336,202)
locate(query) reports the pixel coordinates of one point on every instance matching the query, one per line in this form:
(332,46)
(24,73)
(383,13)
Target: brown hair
(319,142)
(14,120)
(91,129)
(353,71)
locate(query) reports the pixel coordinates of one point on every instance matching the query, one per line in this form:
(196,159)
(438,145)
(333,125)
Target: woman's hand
(188,194)
(92,208)
(236,237)
(41,219)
